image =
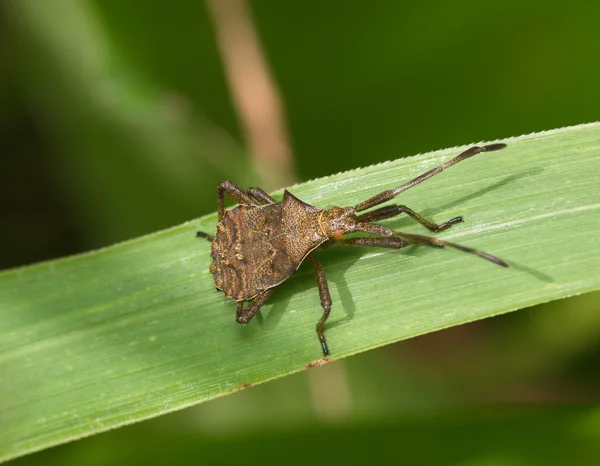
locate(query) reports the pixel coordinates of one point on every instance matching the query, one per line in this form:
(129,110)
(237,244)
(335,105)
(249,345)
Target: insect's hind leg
(254,196)
(390,211)
(233,191)
(261,196)
(245,315)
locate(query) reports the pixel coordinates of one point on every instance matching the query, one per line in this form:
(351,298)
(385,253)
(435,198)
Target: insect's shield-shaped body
(258,247)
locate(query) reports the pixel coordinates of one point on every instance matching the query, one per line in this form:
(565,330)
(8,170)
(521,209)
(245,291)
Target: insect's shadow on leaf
(507,180)
(279,302)
(335,261)
(338,261)
(429,213)
(534,273)
(493,187)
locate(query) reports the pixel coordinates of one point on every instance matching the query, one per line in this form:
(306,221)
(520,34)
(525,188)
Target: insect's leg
(201,234)
(325,301)
(390,211)
(261,196)
(396,242)
(440,243)
(390,242)
(235,192)
(243,316)
(392,193)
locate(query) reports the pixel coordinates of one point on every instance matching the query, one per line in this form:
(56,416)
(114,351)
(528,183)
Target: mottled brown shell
(258,247)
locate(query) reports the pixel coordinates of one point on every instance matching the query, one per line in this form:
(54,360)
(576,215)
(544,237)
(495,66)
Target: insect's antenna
(441,243)
(392,193)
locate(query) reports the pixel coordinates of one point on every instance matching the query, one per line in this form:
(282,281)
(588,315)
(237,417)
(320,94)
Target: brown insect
(261,242)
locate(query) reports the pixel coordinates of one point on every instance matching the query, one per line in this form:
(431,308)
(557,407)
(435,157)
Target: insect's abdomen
(250,252)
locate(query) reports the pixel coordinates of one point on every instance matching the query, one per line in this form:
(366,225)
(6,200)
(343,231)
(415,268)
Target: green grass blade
(136,330)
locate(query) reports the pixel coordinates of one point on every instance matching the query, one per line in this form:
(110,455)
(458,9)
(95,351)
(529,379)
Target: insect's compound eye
(337,234)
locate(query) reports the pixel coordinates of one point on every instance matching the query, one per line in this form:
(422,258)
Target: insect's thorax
(302,227)
(258,247)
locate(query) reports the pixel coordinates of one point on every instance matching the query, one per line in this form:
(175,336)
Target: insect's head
(338,221)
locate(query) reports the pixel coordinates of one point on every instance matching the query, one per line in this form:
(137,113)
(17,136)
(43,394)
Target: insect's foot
(324,347)
(492,147)
(201,234)
(448,224)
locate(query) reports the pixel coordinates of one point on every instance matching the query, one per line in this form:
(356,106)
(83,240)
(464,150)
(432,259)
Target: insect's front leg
(325,301)
(390,211)
(244,316)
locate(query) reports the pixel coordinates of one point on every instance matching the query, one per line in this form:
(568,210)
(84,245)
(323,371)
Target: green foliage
(136,330)
(496,436)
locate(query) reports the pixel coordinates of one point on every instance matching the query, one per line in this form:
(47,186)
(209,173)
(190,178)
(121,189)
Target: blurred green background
(118,118)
